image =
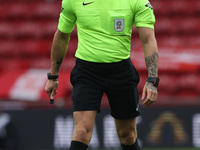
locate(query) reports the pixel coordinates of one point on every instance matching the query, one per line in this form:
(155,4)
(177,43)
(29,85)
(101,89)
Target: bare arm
(58,52)
(150,48)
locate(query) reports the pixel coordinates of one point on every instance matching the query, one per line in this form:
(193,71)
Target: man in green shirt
(103,64)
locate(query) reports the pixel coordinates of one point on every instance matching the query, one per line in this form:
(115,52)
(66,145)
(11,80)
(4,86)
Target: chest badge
(119,25)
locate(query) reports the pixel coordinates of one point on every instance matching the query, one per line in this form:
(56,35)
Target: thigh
(124,101)
(84,118)
(125,125)
(87,93)
(86,97)
(123,94)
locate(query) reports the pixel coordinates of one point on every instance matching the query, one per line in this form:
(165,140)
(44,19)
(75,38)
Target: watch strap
(52,77)
(154,80)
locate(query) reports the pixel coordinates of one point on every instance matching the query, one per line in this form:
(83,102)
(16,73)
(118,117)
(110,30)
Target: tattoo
(151,86)
(59,63)
(152,64)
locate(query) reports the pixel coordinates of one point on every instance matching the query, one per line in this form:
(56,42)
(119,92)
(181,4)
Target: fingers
(151,93)
(144,93)
(53,93)
(151,98)
(48,91)
(50,88)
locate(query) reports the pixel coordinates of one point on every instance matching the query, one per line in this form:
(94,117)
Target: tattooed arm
(58,52)
(147,37)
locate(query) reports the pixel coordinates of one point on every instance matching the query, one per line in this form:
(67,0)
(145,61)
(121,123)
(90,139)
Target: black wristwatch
(154,80)
(52,77)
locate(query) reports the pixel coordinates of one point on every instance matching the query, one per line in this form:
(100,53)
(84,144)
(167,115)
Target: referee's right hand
(151,94)
(51,88)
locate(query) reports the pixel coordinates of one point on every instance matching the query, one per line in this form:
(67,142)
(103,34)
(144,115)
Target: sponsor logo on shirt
(87,3)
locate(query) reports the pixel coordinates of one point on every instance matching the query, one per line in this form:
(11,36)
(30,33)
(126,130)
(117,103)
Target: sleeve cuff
(65,27)
(145,25)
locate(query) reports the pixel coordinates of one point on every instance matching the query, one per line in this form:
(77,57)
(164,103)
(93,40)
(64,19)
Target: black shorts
(118,80)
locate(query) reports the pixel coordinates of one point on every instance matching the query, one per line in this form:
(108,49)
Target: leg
(83,125)
(126,130)
(127,133)
(86,95)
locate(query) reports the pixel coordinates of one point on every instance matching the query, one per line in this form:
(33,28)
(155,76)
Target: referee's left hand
(150,92)
(51,88)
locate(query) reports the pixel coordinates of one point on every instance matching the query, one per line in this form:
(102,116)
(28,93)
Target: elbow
(149,40)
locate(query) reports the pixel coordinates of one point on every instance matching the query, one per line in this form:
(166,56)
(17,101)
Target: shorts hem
(124,117)
(86,109)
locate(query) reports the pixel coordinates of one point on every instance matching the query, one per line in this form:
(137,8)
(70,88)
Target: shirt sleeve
(144,15)
(67,18)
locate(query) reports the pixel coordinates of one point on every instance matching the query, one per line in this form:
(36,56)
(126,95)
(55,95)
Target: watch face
(156,82)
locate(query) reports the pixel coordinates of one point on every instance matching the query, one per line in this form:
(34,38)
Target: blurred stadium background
(28,121)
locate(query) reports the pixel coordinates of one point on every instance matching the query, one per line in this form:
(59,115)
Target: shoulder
(139,3)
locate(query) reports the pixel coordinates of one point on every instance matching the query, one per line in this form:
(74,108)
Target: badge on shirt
(119,25)
(149,5)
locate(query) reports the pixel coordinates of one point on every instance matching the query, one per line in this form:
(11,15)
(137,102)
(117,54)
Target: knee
(127,137)
(83,134)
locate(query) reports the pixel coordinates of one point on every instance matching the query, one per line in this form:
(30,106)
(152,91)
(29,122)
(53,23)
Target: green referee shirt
(104,27)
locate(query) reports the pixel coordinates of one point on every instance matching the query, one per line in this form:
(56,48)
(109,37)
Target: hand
(151,94)
(51,87)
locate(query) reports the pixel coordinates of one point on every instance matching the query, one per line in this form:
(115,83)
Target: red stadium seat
(3,8)
(173,7)
(14,64)
(187,26)
(196,7)
(165,26)
(39,10)
(26,48)
(167,84)
(188,82)
(47,29)
(46,10)
(8,48)
(178,41)
(177,25)
(31,29)
(6,31)
(177,7)
(27,30)
(17,10)
(159,7)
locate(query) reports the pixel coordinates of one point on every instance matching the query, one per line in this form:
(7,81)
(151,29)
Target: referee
(103,64)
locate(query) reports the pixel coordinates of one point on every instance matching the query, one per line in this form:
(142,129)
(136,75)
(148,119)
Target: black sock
(76,145)
(134,146)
